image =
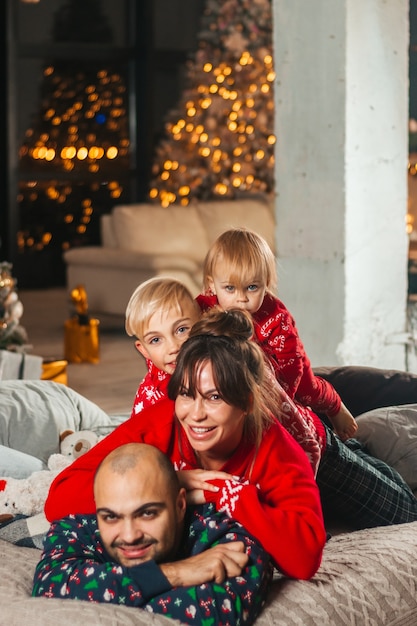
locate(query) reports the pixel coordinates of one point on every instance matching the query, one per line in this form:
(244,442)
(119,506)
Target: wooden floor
(112,382)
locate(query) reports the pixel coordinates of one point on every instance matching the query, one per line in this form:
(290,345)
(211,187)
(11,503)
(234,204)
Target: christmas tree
(13,335)
(76,152)
(219,140)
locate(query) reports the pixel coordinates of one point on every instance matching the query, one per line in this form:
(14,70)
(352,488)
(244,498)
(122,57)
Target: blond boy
(160,314)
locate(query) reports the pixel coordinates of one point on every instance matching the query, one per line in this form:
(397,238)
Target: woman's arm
(72,490)
(280,506)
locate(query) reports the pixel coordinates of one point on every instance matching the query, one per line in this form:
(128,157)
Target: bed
(367,577)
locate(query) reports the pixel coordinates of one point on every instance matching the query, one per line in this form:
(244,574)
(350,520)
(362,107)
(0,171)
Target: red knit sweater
(277,499)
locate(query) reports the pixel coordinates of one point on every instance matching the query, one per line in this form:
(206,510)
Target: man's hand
(226,560)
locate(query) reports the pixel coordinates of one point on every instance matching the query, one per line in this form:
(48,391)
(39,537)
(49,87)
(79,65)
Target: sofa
(367,577)
(139,241)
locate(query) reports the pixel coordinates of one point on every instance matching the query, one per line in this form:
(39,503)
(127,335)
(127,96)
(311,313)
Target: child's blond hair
(246,253)
(155,294)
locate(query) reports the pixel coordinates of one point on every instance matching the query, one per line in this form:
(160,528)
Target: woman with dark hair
(355,487)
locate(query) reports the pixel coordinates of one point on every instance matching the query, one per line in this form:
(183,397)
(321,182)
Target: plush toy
(26,496)
(74,444)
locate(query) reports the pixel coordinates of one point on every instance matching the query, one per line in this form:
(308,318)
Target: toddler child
(240,272)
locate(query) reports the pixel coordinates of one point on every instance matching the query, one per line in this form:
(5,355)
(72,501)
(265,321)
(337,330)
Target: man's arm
(222,561)
(220,547)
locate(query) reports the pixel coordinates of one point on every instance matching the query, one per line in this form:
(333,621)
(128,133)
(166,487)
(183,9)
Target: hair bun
(234,323)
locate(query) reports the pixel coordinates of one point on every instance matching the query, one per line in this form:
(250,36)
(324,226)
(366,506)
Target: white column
(341,168)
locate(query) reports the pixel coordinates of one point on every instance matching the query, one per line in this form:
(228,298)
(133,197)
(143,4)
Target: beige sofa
(140,241)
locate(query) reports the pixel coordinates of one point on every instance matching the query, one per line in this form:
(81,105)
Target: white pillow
(220,215)
(390,434)
(153,230)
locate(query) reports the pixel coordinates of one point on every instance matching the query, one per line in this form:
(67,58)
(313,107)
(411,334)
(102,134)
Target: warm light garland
(82,131)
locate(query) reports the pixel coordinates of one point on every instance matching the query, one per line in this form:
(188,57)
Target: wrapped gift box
(17,365)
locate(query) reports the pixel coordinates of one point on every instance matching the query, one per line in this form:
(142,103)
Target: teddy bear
(74,444)
(26,496)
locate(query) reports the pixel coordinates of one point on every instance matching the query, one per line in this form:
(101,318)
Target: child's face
(164,335)
(248,296)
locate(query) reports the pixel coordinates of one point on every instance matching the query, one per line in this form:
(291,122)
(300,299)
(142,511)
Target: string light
(226,111)
(82,130)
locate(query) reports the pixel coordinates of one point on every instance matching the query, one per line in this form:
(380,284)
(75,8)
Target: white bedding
(34,413)
(367,577)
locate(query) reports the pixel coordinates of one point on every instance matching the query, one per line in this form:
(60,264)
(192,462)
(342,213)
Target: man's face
(138,517)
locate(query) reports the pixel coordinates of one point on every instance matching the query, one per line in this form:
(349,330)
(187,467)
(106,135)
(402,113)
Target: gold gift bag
(81,340)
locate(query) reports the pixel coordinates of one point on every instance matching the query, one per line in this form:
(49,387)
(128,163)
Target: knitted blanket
(366,577)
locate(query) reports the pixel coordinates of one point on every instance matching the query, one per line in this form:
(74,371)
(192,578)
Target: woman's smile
(200,432)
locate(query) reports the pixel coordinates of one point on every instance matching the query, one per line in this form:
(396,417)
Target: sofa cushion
(255,214)
(365,388)
(108,240)
(390,434)
(154,230)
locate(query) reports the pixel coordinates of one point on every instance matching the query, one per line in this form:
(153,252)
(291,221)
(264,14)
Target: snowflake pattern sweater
(275,498)
(277,335)
(152,388)
(74,564)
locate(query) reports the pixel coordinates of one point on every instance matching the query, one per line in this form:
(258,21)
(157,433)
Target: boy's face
(164,335)
(248,296)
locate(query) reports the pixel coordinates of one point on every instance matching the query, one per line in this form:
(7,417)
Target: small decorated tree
(12,335)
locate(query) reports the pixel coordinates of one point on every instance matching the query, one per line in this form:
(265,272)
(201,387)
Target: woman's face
(213,427)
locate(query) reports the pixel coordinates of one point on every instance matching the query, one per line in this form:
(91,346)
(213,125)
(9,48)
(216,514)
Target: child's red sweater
(277,335)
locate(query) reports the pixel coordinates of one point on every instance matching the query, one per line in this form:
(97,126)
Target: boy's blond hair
(155,294)
(246,253)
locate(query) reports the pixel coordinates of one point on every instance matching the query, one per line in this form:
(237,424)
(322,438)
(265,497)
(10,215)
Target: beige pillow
(390,434)
(255,214)
(153,230)
(108,240)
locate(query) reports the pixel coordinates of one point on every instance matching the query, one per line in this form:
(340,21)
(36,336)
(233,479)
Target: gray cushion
(390,434)
(33,413)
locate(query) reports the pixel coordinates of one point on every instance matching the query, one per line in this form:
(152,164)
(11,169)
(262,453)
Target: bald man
(143,548)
